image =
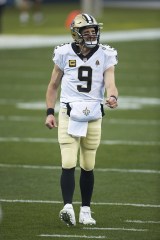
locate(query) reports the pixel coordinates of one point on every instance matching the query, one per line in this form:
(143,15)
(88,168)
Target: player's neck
(84,50)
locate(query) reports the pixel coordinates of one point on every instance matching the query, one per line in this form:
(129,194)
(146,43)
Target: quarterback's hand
(51,121)
(111,102)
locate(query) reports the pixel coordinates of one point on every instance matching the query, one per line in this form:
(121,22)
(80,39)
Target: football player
(85,70)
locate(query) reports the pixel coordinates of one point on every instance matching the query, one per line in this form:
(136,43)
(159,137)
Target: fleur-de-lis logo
(86,111)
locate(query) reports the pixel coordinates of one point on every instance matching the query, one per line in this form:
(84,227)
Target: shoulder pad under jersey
(108,50)
(62,48)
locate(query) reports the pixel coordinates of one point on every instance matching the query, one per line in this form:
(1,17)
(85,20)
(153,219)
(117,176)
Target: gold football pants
(86,146)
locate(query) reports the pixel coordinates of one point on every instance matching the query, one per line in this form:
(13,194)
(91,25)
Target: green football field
(126,199)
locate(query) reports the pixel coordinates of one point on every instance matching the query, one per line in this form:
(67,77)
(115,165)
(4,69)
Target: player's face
(89,34)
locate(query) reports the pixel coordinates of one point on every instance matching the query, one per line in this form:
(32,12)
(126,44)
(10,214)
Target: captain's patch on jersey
(72,63)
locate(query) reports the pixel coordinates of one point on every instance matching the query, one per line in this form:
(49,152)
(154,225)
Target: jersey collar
(81,56)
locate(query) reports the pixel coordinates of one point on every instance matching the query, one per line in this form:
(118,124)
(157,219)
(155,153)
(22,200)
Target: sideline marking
(104,142)
(140,221)
(117,229)
(72,236)
(93,203)
(121,170)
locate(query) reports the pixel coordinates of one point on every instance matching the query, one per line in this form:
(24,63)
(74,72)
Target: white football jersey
(83,78)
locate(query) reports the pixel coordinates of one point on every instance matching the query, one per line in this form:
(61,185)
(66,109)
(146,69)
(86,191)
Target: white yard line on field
(94,228)
(131,121)
(128,142)
(29,41)
(103,142)
(143,222)
(29,140)
(16,118)
(72,236)
(116,229)
(124,103)
(30,166)
(93,203)
(120,170)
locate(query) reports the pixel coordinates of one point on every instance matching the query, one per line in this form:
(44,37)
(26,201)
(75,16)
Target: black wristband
(114,97)
(50,111)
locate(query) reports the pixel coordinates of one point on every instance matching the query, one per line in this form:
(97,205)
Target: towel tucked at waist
(81,113)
